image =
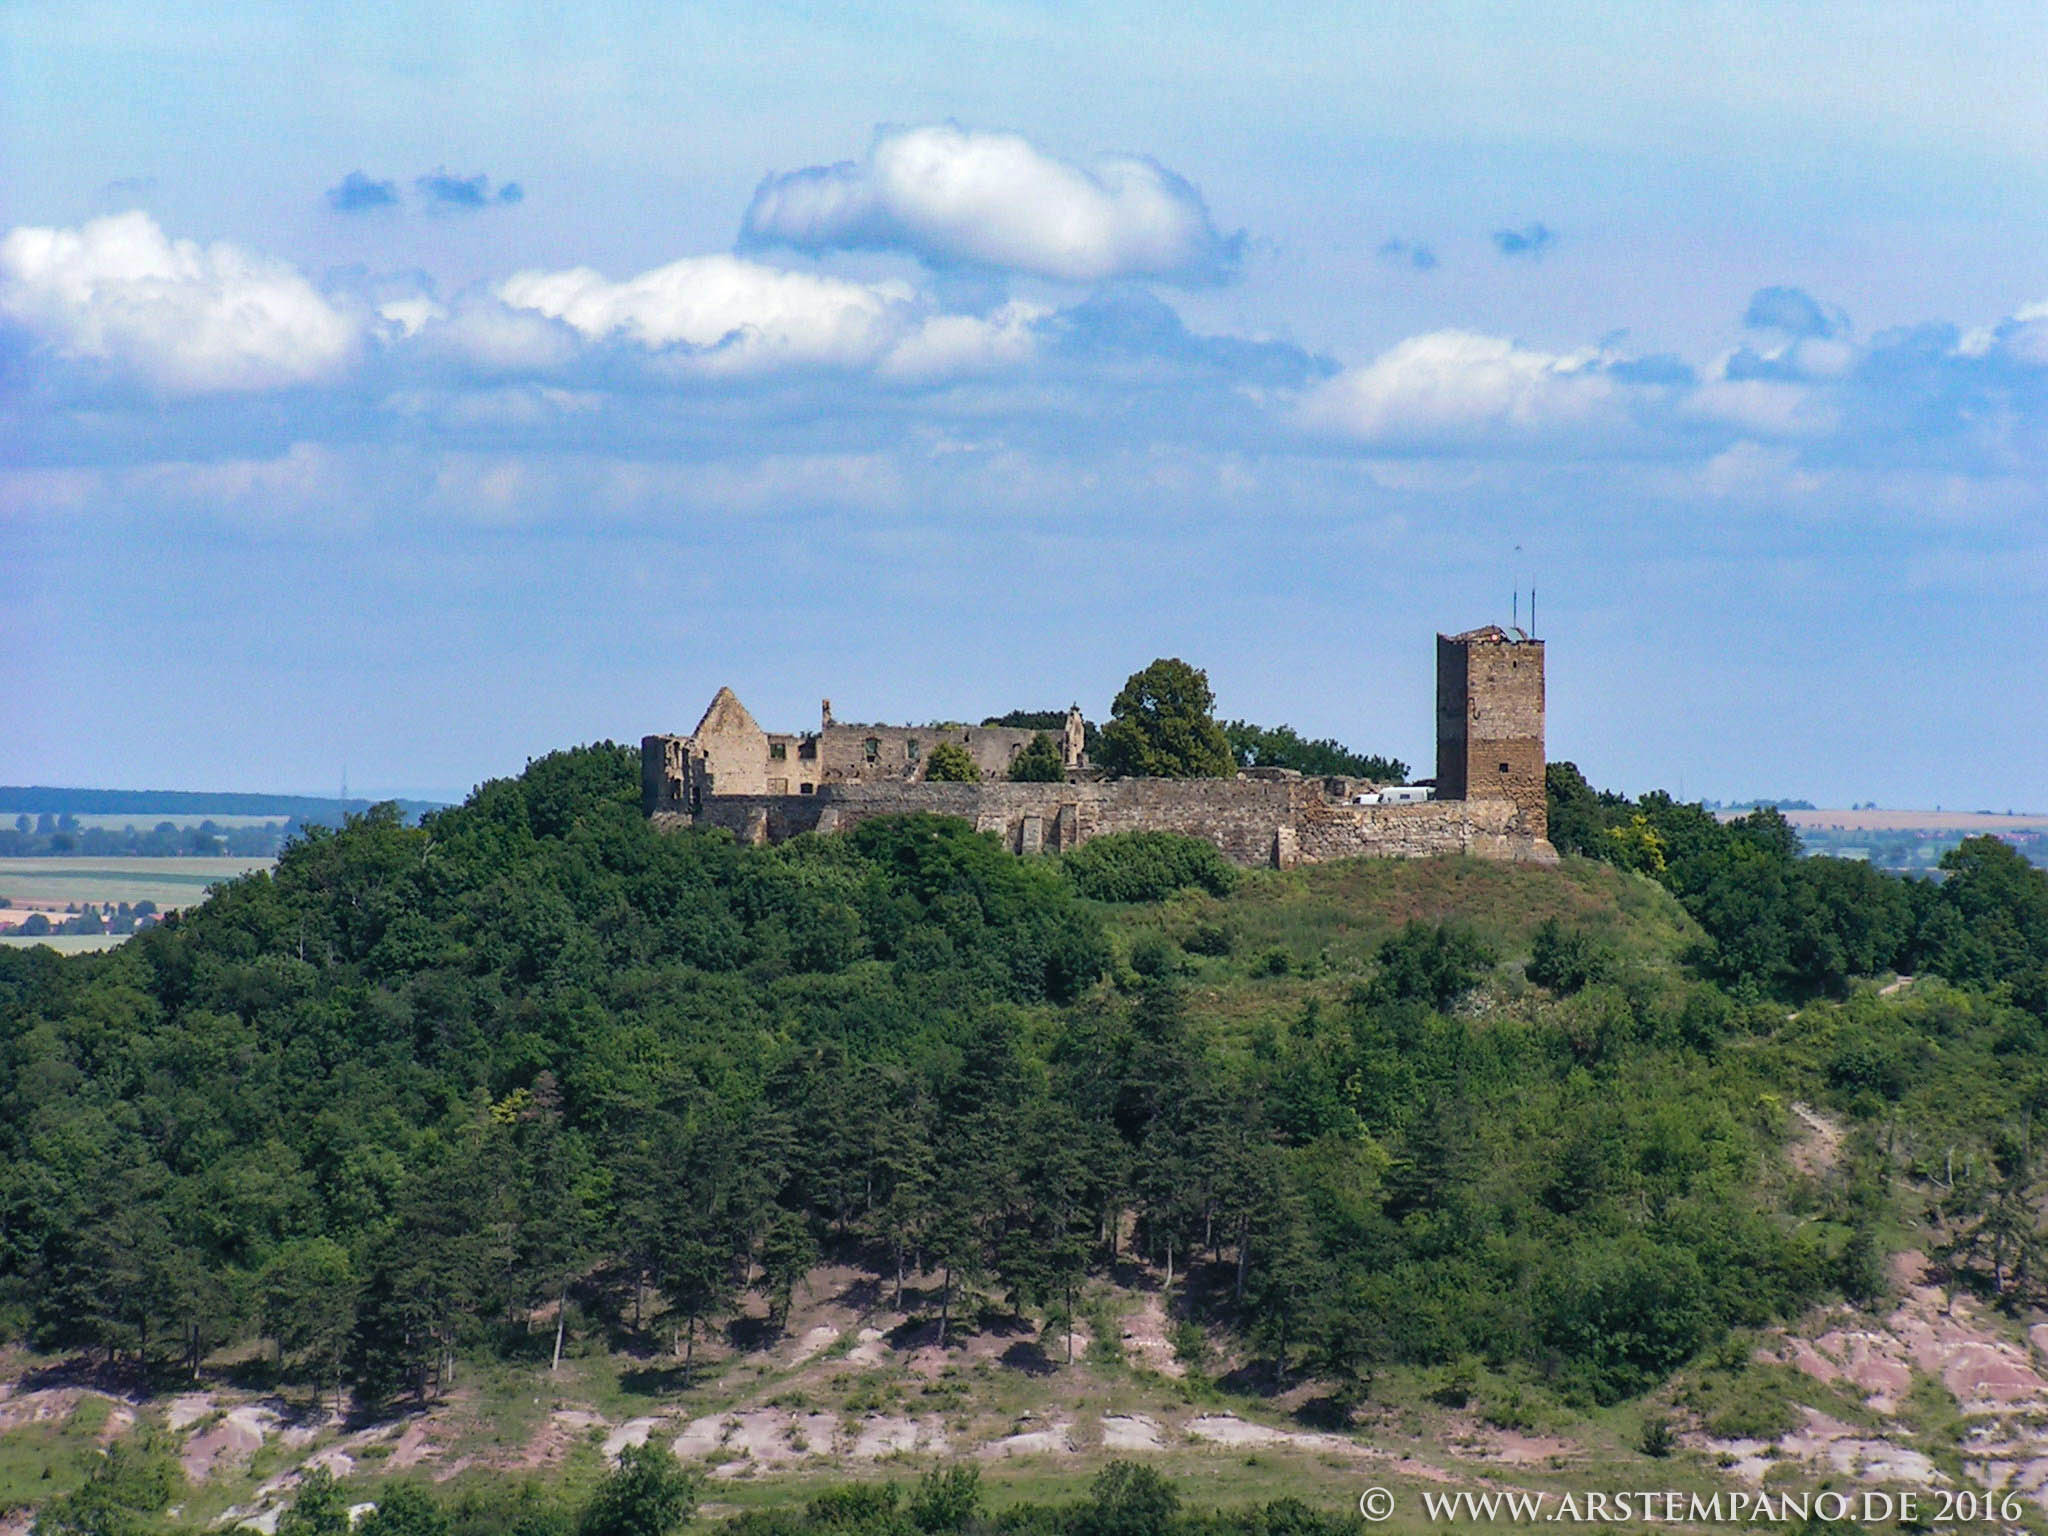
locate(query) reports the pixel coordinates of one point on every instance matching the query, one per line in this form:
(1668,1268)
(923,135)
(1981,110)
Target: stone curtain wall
(1276,823)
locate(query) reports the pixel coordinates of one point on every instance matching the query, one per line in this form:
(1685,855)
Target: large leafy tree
(1163,726)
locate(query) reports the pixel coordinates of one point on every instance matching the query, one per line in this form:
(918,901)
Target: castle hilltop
(1488,798)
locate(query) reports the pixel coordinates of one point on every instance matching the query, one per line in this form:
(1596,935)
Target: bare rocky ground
(1933,1346)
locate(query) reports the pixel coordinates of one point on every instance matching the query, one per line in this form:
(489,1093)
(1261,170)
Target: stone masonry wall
(1275,823)
(902,750)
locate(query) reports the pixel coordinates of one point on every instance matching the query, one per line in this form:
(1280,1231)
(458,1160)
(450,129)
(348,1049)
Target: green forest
(387,1102)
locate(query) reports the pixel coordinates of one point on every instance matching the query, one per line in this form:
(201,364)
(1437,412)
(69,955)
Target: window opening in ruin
(911,748)
(779,750)
(872,747)
(1503,767)
(804,789)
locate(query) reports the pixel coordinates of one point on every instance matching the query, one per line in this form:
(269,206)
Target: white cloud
(953,345)
(184,317)
(1460,386)
(2023,338)
(498,338)
(741,315)
(997,200)
(410,314)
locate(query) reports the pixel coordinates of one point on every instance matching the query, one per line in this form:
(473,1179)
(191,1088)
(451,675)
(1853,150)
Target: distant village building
(1488,798)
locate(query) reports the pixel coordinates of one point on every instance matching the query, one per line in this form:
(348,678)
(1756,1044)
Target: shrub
(1147,866)
(1151,955)
(1129,1500)
(946,1498)
(648,1494)
(1208,939)
(1865,1065)
(404,1510)
(1457,1386)
(1273,962)
(950,763)
(1566,959)
(1039,763)
(1657,1439)
(1431,965)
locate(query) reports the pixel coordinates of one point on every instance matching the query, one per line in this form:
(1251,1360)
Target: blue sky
(421,389)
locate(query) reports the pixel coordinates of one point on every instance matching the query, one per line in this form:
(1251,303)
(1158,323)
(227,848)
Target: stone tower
(1489,721)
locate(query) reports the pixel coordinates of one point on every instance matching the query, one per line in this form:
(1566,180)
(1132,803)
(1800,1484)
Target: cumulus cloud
(954,197)
(463,194)
(1765,408)
(577,359)
(180,316)
(1531,241)
(955,346)
(1793,311)
(1464,387)
(736,315)
(1408,253)
(357,193)
(489,336)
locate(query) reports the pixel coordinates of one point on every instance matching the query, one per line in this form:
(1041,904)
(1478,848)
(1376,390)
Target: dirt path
(1819,1146)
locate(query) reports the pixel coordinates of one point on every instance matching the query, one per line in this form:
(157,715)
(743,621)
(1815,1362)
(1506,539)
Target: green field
(167,882)
(64,943)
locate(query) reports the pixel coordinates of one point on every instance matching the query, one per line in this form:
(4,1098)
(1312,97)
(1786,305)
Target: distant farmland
(52,884)
(1964,823)
(1911,841)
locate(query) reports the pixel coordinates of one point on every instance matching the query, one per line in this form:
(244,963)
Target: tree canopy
(1041,762)
(1281,746)
(950,763)
(1162,726)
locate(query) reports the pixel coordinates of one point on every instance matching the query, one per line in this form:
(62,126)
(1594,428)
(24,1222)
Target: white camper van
(1396,794)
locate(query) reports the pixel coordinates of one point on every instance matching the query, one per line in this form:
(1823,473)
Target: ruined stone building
(728,754)
(1488,797)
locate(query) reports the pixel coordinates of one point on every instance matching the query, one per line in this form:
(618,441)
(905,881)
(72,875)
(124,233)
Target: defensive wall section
(1278,822)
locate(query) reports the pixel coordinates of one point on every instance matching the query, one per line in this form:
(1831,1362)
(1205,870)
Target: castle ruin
(1488,796)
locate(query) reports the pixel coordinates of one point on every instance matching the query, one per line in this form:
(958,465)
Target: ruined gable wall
(734,757)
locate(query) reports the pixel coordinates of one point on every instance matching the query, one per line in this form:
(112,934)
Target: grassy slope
(1330,919)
